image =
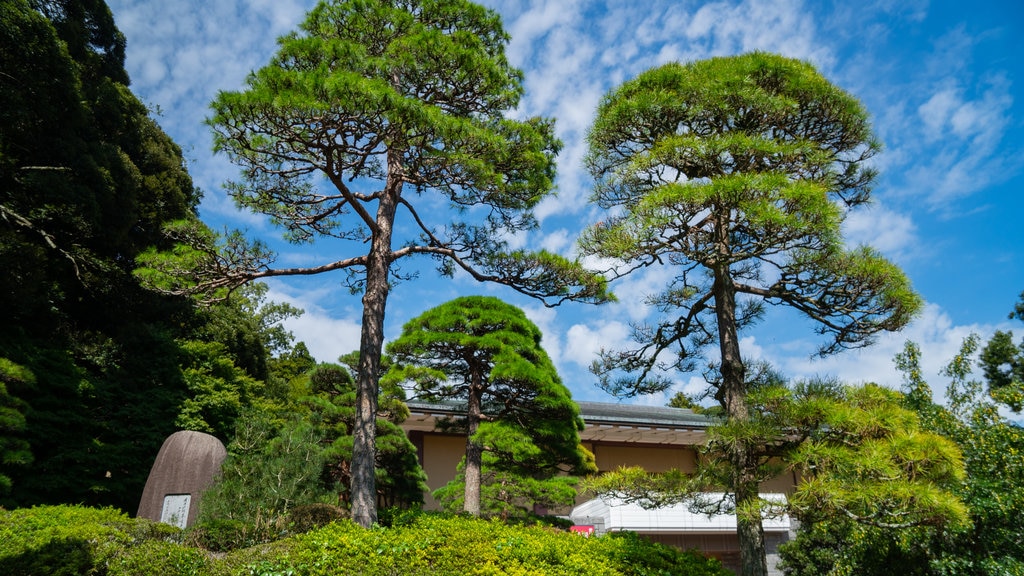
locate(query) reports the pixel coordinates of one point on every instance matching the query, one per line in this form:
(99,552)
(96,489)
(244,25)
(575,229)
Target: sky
(942,82)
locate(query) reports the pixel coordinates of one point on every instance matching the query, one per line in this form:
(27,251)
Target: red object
(587,530)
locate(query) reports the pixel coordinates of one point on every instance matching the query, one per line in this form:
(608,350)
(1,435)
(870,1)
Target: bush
(439,546)
(226,534)
(71,540)
(309,516)
(161,558)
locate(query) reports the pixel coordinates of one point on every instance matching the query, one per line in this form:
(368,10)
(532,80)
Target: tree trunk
(732,395)
(371,341)
(474,452)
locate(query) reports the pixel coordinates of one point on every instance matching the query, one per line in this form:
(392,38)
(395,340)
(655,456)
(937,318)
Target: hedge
(72,540)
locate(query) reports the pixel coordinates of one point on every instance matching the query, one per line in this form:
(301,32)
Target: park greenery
(126,318)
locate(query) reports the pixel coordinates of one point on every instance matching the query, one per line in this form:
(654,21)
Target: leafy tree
(370,101)
(1003,364)
(738,173)
(250,327)
(684,401)
(218,390)
(87,181)
(520,419)
(287,370)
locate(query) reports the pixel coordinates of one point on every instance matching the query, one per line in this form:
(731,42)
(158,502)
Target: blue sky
(942,81)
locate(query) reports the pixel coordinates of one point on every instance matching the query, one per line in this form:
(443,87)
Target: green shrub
(223,535)
(438,546)
(69,540)
(161,558)
(309,516)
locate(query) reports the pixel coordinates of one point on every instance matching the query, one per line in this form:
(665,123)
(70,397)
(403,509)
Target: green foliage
(287,371)
(989,543)
(456,546)
(218,390)
(100,409)
(510,496)
(250,327)
(400,480)
(859,454)
(87,181)
(161,558)
(310,516)
(1002,362)
(72,540)
(870,460)
(223,535)
(521,423)
(14,449)
(69,540)
(851,549)
(87,177)
(271,468)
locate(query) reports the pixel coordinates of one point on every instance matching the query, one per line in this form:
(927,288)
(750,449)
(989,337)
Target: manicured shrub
(440,546)
(161,558)
(69,540)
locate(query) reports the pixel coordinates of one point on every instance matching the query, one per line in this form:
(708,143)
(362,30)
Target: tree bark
(371,342)
(474,452)
(732,394)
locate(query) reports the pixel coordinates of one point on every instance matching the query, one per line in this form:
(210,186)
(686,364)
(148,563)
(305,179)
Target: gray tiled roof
(595,413)
(608,413)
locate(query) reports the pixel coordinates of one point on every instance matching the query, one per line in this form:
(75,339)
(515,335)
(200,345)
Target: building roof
(634,424)
(609,413)
(605,422)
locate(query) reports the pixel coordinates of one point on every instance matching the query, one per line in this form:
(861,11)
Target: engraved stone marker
(186,465)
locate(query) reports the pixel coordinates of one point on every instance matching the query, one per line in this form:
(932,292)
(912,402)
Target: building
(652,437)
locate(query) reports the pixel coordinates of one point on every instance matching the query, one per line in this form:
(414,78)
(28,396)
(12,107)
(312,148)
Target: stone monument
(187,464)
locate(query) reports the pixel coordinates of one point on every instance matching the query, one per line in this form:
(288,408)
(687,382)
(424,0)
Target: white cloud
(556,241)
(584,341)
(934,332)
(545,318)
(326,335)
(883,229)
(937,110)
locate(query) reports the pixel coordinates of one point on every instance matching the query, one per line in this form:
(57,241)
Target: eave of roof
(634,415)
(595,414)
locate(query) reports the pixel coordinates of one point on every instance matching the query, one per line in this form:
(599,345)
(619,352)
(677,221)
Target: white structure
(613,515)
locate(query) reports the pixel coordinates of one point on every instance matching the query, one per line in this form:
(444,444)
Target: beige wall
(649,457)
(440,456)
